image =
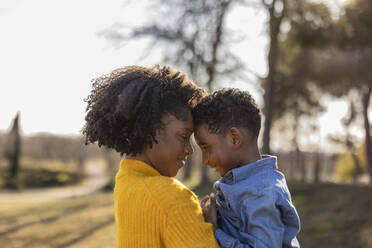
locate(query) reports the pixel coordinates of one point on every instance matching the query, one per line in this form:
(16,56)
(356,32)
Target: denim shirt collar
(246,171)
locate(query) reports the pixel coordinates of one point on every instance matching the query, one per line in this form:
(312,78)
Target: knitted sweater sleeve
(185,226)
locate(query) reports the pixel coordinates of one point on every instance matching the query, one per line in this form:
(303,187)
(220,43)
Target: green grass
(35,173)
(78,222)
(334,215)
(331,215)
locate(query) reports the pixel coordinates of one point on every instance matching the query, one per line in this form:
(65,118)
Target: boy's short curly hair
(125,107)
(228,108)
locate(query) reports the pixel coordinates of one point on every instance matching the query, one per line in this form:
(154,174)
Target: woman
(146,114)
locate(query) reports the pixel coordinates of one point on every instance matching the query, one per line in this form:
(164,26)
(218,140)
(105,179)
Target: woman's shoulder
(169,189)
(167,185)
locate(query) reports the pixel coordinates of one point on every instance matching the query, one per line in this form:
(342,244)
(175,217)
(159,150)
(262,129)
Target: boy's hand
(208,205)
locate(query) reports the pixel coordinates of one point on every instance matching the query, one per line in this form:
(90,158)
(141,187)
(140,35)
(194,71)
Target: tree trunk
(295,164)
(274,30)
(301,162)
(14,152)
(15,162)
(368,151)
(317,166)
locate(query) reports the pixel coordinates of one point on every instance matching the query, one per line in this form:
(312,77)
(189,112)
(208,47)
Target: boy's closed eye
(204,147)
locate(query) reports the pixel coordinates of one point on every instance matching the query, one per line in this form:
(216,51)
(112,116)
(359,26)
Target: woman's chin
(180,163)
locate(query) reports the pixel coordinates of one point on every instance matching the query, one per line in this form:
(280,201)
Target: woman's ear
(235,137)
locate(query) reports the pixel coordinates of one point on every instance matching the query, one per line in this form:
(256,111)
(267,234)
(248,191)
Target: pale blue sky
(50,51)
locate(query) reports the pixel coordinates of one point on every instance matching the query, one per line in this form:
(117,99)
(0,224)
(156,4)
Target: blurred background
(306,62)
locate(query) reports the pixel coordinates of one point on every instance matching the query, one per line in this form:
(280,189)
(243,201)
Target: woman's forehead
(171,121)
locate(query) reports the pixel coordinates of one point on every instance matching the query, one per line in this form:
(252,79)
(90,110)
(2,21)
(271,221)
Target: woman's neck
(141,157)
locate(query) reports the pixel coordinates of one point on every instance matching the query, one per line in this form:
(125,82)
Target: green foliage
(41,173)
(333,215)
(36,178)
(345,64)
(345,169)
(309,24)
(357,21)
(48,164)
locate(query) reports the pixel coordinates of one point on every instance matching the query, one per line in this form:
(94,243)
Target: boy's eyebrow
(201,143)
(188,129)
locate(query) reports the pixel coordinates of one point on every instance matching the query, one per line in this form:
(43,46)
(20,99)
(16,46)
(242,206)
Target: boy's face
(216,150)
(169,154)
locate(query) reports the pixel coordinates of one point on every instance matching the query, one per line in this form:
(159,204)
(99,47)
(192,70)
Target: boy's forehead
(202,133)
(201,129)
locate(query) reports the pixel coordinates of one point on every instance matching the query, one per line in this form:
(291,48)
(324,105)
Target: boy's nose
(205,158)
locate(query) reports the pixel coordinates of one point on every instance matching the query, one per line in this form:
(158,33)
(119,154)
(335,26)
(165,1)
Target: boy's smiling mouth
(214,168)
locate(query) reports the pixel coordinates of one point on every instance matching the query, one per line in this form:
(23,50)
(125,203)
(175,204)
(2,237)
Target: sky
(51,50)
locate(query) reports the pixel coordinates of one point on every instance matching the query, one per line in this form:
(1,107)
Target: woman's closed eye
(185,137)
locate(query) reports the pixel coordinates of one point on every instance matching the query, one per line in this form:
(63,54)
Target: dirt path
(96,179)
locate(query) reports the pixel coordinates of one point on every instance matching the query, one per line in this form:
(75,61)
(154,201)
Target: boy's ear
(235,137)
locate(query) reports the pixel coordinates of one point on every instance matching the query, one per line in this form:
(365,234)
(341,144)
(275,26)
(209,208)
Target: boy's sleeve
(185,227)
(262,226)
(227,241)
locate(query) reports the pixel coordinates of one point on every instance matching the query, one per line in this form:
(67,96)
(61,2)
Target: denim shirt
(255,208)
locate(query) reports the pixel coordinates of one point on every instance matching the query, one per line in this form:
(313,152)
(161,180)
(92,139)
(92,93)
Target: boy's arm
(208,205)
(261,224)
(261,217)
(227,241)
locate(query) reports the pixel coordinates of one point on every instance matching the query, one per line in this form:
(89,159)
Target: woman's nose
(189,150)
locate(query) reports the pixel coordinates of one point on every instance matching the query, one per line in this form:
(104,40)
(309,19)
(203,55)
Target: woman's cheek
(178,148)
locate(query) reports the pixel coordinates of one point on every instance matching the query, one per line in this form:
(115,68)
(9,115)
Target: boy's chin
(221,173)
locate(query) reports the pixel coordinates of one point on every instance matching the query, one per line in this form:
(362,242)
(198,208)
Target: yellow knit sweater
(157,211)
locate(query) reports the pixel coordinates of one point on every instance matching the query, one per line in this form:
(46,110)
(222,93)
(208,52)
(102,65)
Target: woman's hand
(208,205)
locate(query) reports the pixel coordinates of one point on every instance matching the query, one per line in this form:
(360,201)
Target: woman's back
(157,211)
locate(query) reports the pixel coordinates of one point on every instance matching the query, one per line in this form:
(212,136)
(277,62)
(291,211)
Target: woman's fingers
(204,201)
(213,200)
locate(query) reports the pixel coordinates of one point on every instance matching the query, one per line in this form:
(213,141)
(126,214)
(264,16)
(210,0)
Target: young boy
(254,203)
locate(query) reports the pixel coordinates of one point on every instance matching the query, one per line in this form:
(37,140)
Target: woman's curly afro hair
(125,107)
(228,108)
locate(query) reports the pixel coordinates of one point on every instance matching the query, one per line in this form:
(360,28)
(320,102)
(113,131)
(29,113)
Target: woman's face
(170,153)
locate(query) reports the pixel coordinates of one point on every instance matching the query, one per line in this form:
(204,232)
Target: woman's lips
(182,162)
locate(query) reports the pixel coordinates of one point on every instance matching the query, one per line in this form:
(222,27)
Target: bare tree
(295,98)
(192,35)
(277,11)
(288,54)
